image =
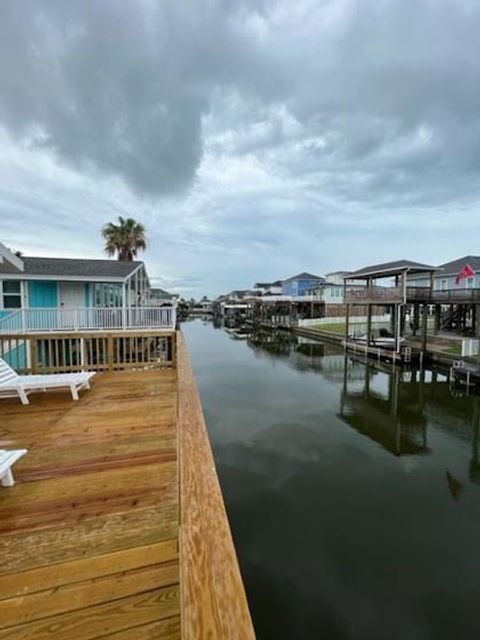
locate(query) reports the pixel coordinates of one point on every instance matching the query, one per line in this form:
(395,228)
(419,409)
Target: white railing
(88,319)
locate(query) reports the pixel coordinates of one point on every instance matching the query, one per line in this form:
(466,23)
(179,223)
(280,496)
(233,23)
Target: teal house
(45,283)
(38,293)
(42,295)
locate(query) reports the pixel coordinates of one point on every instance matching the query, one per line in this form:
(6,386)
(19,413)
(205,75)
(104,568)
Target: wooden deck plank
(100,620)
(52,576)
(168,629)
(208,560)
(27,550)
(89,534)
(27,608)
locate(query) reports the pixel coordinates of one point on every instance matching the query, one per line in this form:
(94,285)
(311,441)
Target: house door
(71,295)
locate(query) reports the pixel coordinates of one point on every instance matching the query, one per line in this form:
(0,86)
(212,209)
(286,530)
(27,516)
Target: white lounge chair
(7,460)
(12,385)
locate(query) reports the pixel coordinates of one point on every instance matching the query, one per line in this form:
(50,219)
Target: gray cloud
(265,137)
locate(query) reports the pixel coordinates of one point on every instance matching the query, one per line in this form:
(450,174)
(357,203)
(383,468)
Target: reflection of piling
(474,467)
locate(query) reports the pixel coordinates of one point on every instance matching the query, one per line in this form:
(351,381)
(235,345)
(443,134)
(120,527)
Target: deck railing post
(34,354)
(110,352)
(174,349)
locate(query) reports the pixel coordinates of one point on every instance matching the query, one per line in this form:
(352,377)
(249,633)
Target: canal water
(353,490)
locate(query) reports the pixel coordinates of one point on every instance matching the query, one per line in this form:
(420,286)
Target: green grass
(455,350)
(332,328)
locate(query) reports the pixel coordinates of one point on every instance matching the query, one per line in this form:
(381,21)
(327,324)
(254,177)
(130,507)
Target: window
(12,294)
(108,295)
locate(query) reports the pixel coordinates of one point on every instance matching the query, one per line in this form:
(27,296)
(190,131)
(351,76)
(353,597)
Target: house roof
(264,285)
(9,261)
(160,294)
(386,269)
(454,266)
(337,273)
(78,268)
(239,292)
(305,276)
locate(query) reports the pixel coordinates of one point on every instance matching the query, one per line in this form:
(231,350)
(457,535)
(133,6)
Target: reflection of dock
(465,372)
(405,355)
(394,419)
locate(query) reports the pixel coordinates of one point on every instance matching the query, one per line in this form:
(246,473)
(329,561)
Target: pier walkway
(108,532)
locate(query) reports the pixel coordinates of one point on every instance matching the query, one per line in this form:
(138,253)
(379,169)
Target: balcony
(446,296)
(88,319)
(374,295)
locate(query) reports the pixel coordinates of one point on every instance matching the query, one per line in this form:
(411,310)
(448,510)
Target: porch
(87,319)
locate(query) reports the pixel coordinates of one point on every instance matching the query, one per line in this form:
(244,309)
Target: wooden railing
(439,296)
(378,295)
(88,319)
(213,599)
(92,351)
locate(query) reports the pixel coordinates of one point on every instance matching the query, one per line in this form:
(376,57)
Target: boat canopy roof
(387,269)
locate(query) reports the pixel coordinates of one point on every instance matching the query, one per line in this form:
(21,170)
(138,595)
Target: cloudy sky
(253,138)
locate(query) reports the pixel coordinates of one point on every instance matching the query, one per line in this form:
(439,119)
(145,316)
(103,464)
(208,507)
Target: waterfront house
(41,293)
(446,277)
(160,297)
(268,288)
(336,277)
(328,292)
(299,285)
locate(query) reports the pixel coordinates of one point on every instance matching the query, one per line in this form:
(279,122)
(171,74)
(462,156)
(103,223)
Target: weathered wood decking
(89,535)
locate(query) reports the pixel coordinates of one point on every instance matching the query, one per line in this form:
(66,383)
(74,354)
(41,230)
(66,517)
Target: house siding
(17,357)
(445,282)
(42,294)
(299,287)
(333,295)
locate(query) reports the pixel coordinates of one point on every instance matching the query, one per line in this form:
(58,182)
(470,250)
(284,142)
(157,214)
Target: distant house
(238,295)
(329,292)
(445,278)
(299,285)
(336,277)
(268,288)
(204,306)
(160,297)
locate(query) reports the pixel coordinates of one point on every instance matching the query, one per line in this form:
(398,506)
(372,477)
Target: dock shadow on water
(353,489)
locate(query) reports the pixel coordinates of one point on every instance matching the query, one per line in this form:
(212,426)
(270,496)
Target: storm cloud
(298,134)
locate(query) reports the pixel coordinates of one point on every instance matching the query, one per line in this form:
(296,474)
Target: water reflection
(351,488)
(388,404)
(393,417)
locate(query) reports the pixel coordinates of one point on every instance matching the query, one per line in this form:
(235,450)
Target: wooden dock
(116,527)
(407,355)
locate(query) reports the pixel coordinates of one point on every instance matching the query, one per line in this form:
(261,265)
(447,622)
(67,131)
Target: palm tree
(124,239)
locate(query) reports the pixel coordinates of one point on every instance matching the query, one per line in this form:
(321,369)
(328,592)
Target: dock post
(347,321)
(416,315)
(437,319)
(369,324)
(477,331)
(392,319)
(396,311)
(424,327)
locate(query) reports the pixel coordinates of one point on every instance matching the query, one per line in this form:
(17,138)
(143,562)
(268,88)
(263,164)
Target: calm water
(353,493)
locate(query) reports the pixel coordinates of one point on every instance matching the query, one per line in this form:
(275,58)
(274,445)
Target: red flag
(466,272)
